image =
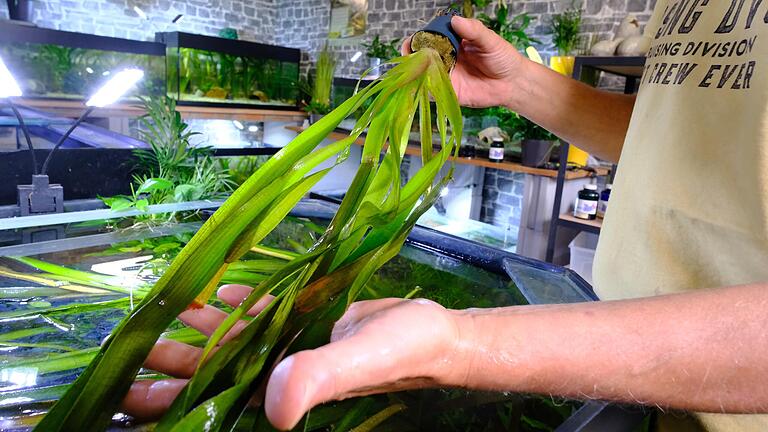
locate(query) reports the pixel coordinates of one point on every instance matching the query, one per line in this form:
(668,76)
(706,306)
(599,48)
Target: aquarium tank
(57,64)
(60,299)
(213,70)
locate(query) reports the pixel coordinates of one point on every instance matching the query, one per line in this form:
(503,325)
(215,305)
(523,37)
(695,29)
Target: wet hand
(488,66)
(377,346)
(149,399)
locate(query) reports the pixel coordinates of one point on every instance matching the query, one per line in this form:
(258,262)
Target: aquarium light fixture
(8,85)
(356,56)
(10,88)
(108,94)
(115,88)
(89,70)
(253,128)
(140,12)
(238,124)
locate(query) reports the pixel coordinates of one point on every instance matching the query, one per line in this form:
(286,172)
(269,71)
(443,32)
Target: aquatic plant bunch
(313,289)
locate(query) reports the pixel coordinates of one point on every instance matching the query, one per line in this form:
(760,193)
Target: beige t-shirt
(689,207)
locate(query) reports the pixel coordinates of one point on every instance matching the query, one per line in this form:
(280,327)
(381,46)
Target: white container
(583,254)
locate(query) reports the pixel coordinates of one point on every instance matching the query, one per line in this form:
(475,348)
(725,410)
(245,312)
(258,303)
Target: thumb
(474,32)
(335,371)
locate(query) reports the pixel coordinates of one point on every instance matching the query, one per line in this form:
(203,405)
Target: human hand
(377,346)
(488,67)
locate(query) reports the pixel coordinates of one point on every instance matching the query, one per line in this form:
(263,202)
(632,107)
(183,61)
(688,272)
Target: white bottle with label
(586,203)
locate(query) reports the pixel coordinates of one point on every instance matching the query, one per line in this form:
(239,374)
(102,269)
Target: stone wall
(502,198)
(254,19)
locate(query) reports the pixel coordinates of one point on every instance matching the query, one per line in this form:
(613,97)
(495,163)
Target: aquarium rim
(10,32)
(228,46)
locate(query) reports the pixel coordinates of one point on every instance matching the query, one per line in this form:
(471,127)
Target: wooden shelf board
(414,150)
(595,223)
(69,108)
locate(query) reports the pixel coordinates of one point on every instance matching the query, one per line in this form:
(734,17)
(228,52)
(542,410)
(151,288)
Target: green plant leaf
(153,185)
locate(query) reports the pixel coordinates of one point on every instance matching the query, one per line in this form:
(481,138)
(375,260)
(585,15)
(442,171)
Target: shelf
(70,108)
(571,221)
(624,66)
(415,150)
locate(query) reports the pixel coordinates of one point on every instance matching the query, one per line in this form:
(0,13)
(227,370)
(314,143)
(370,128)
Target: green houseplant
(312,288)
(320,102)
(378,52)
(512,29)
(565,30)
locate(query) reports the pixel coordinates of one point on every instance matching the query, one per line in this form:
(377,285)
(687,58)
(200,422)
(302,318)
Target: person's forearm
(593,120)
(703,351)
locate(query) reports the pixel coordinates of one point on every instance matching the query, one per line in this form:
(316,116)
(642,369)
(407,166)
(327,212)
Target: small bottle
(586,204)
(602,205)
(496,151)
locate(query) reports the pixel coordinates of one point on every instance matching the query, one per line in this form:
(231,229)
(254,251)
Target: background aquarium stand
(56,64)
(207,70)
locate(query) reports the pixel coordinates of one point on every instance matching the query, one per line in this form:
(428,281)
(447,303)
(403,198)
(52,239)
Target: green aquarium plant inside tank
(64,65)
(206,69)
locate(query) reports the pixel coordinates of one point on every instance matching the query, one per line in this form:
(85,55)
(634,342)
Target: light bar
(8,85)
(115,88)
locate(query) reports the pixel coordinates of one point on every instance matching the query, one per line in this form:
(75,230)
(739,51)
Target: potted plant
(513,29)
(536,142)
(320,101)
(565,30)
(379,52)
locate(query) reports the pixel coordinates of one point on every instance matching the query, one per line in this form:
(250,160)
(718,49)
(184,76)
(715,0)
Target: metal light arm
(64,137)
(26,134)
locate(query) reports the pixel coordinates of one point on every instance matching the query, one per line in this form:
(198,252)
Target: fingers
(149,399)
(405,48)
(474,32)
(233,295)
(205,320)
(173,358)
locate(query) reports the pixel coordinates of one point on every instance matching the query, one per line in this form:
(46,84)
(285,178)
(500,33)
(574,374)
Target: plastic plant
(565,30)
(312,289)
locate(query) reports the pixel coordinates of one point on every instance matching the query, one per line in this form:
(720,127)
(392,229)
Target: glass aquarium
(212,70)
(59,299)
(64,65)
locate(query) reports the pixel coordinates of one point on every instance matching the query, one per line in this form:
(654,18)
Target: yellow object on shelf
(577,156)
(562,64)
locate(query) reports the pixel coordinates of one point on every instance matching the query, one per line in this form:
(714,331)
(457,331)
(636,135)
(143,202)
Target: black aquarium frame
(10,32)
(176,40)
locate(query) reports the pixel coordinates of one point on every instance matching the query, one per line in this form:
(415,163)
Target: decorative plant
(513,30)
(172,170)
(565,30)
(320,102)
(382,50)
(312,289)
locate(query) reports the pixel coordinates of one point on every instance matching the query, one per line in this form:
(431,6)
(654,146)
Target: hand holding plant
(414,332)
(488,68)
